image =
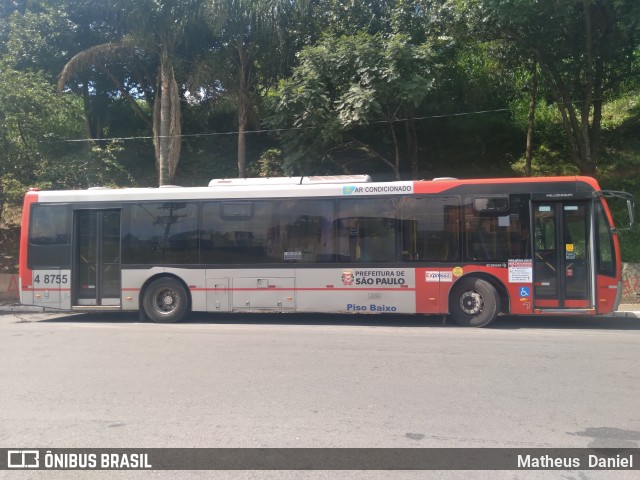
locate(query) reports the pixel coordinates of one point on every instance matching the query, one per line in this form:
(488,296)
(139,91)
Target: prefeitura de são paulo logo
(347,277)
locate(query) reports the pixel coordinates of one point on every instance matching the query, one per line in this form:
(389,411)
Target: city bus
(469,249)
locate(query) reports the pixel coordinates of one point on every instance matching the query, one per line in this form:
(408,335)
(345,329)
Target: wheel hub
(168,300)
(471,303)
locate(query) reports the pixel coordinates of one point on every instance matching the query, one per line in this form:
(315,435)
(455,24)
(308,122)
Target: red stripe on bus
(310,289)
(31,289)
(439,186)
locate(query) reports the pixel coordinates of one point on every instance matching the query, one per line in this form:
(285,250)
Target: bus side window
(496,235)
(50,236)
(302,231)
(480,239)
(366,230)
(159,233)
(236,232)
(50,225)
(429,228)
(604,250)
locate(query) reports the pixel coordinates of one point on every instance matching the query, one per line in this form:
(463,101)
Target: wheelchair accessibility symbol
(525,292)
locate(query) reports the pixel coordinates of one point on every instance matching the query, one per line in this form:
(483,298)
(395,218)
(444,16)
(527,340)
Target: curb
(625,314)
(22,309)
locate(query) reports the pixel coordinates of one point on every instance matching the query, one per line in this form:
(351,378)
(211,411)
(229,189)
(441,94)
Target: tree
(153,33)
(254,45)
(34,125)
(345,83)
(41,35)
(36,36)
(584,48)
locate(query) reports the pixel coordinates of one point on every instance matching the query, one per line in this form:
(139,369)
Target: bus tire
(166,301)
(474,302)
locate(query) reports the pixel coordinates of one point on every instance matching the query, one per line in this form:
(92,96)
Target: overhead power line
(275,130)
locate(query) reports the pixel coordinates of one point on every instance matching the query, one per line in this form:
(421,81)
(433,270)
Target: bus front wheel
(166,301)
(474,302)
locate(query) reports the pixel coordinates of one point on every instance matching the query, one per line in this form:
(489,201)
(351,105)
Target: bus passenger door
(563,270)
(96,267)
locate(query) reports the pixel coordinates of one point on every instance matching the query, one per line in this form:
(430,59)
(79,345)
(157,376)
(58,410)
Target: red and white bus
(473,249)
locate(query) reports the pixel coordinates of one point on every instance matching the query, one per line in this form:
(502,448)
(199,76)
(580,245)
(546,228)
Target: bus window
(604,248)
(50,225)
(50,236)
(497,234)
(160,233)
(430,228)
(237,232)
(481,238)
(366,230)
(574,249)
(303,231)
(576,232)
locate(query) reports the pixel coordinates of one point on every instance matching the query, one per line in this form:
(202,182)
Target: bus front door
(96,269)
(563,271)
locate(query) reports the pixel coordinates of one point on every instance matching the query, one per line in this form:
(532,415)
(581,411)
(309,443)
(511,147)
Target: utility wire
(273,130)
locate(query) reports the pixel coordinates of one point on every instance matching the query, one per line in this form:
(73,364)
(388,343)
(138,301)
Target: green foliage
(97,166)
(269,164)
(344,83)
(38,40)
(35,124)
(621,164)
(547,162)
(484,74)
(337,17)
(583,48)
(629,244)
(551,155)
(33,121)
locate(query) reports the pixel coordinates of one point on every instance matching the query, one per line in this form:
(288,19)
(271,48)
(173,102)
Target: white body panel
(50,288)
(356,290)
(364,290)
(227,192)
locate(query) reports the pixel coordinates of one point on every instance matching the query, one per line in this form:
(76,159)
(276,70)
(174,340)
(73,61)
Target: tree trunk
(86,101)
(163,128)
(396,147)
(596,125)
(242,139)
(571,121)
(585,111)
(166,122)
(580,128)
(243,104)
(532,117)
(175,126)
(412,144)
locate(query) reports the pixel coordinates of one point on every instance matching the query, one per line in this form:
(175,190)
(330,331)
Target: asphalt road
(268,380)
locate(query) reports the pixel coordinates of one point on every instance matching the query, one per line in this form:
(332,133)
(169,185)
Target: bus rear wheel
(166,301)
(474,302)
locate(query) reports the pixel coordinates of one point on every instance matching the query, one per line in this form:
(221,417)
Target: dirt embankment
(9,246)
